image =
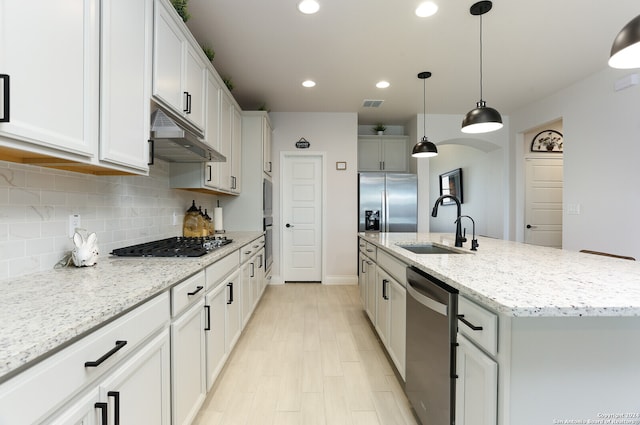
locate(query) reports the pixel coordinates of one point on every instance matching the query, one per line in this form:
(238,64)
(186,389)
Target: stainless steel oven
(267,198)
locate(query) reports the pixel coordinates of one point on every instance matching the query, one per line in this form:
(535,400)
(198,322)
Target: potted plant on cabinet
(379,129)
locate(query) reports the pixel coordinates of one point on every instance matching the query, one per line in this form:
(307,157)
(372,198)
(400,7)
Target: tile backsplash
(35,204)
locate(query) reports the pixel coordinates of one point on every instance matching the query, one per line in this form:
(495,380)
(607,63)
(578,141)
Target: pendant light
(625,52)
(482,119)
(424,148)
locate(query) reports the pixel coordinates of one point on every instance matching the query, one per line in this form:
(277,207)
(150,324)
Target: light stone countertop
(43,312)
(523,280)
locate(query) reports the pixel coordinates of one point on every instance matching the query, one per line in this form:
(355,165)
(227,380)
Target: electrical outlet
(175,219)
(74,223)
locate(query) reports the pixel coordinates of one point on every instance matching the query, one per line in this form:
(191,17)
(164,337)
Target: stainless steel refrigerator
(388,202)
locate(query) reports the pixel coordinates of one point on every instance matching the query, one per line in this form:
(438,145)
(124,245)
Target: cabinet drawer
(478,317)
(35,393)
(396,268)
(187,292)
(370,250)
(251,249)
(218,270)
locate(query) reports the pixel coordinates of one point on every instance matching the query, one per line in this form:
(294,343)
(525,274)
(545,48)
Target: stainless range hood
(175,143)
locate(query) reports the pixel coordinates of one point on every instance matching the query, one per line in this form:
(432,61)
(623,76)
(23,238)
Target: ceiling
(530,50)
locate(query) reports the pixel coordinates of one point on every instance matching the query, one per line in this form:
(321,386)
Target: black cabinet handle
(152,152)
(468,323)
(260,262)
(253,270)
(385,295)
(186,102)
(119,345)
(270,170)
(209,167)
(189,103)
(230,300)
(103,414)
(363,268)
(198,289)
(5,95)
(116,405)
(208,325)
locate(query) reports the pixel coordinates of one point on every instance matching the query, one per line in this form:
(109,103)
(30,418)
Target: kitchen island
(567,328)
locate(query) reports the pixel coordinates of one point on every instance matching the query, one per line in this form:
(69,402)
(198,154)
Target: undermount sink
(428,249)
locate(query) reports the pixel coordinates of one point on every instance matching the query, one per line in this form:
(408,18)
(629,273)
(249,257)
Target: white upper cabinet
(178,68)
(125,84)
(50,53)
(383,153)
(81,102)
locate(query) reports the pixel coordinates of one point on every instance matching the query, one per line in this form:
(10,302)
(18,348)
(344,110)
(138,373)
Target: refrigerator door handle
(384,225)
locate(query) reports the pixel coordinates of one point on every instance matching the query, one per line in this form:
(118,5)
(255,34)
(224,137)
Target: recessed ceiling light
(308,7)
(309,83)
(382,84)
(426,9)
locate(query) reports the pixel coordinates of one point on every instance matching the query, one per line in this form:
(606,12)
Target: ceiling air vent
(370,103)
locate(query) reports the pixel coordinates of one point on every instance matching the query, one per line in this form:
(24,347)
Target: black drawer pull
(103,414)
(119,345)
(198,289)
(468,323)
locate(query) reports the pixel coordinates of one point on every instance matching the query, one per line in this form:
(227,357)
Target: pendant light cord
(480,58)
(424,107)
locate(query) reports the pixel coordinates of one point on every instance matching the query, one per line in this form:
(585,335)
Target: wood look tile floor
(307,356)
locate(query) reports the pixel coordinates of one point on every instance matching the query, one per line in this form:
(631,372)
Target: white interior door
(302,178)
(543,202)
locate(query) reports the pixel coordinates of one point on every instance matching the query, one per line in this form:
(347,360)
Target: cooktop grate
(176,246)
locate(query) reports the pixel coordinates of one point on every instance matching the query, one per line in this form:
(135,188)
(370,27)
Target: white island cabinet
(546,336)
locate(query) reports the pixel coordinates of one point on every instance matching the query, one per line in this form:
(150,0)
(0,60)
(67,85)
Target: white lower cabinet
(233,313)
(398,325)
(188,366)
(391,321)
(215,308)
(476,386)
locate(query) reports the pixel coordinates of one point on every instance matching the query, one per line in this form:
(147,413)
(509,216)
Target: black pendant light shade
(625,52)
(482,119)
(424,148)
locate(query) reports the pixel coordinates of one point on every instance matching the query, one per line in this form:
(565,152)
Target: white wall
(601,153)
(336,135)
(483,158)
(35,203)
(481,175)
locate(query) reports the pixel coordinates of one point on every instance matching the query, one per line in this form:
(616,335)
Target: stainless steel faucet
(459,237)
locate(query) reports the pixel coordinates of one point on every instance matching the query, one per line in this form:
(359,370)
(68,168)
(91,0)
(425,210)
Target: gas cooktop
(176,246)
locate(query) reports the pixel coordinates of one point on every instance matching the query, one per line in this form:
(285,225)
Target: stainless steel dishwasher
(432,307)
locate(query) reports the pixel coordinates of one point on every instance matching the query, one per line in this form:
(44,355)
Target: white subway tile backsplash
(35,204)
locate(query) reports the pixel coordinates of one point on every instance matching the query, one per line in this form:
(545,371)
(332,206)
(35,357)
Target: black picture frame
(451,184)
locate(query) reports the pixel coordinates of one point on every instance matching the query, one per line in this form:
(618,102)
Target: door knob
(531,227)
(288,225)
